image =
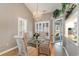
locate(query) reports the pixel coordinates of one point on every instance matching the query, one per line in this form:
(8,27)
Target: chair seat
(44,49)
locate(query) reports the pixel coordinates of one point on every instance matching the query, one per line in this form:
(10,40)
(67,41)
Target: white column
(53,30)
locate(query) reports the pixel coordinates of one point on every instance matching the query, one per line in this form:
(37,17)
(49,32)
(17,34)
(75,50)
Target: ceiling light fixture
(37,14)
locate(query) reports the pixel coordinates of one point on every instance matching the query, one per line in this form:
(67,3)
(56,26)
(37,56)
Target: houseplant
(34,41)
(56,13)
(66,8)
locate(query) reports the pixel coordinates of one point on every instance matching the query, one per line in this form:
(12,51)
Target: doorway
(57,35)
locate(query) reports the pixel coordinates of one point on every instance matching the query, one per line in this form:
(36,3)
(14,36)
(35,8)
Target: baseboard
(8,50)
(16,47)
(66,51)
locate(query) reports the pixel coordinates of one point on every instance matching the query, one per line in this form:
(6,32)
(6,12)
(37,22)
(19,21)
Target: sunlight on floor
(58,48)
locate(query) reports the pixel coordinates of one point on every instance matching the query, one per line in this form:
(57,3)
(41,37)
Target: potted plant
(34,40)
(70,9)
(56,13)
(65,6)
(36,35)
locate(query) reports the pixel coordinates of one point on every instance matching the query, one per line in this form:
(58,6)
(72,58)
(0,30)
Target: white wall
(69,44)
(70,23)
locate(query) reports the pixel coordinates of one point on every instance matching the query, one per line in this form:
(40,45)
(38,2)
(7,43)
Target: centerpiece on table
(35,37)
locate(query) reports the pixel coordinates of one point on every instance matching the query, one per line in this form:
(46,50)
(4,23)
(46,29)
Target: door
(57,31)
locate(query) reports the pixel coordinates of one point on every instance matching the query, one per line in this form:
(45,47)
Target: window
(22,26)
(42,26)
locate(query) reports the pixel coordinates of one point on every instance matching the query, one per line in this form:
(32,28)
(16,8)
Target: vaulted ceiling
(43,7)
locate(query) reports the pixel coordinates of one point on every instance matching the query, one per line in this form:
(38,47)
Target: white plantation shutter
(22,26)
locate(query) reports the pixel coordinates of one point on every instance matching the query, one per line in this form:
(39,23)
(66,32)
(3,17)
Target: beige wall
(9,14)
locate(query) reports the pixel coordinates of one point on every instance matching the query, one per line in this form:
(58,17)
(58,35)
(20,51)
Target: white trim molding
(8,50)
(66,51)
